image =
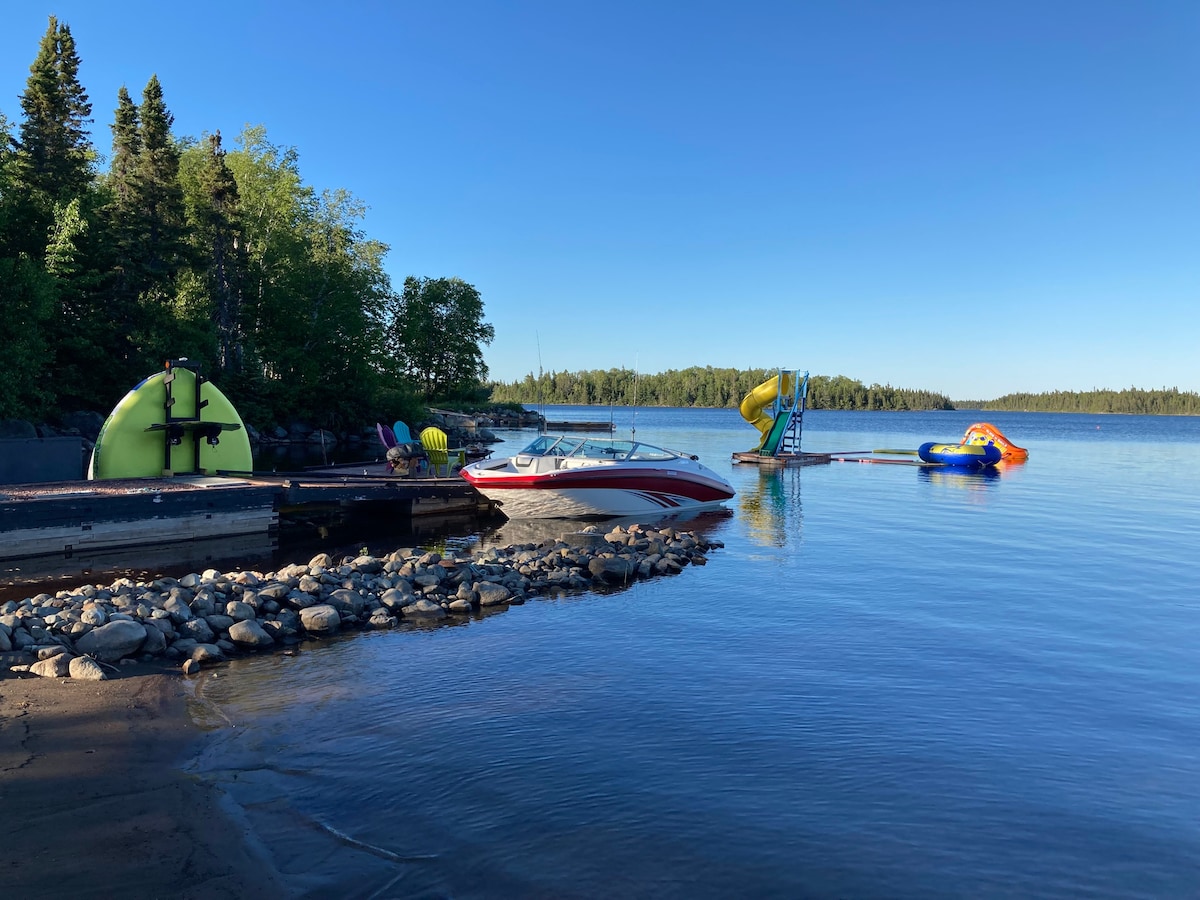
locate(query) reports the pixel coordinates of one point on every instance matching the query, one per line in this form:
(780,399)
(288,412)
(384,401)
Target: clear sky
(971,198)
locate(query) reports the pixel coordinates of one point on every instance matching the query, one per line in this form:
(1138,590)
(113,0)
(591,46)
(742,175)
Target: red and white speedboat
(573,477)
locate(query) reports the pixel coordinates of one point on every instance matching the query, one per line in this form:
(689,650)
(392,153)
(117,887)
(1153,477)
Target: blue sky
(972,198)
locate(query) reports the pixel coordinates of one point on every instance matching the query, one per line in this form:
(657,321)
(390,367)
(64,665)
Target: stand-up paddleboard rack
(171,423)
(176,428)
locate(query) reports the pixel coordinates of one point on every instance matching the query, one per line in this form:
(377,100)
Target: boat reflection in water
(702,523)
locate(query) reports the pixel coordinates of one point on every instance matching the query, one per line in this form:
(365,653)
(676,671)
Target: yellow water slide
(758,406)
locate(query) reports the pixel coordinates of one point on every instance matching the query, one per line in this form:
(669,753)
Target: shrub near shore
(205,618)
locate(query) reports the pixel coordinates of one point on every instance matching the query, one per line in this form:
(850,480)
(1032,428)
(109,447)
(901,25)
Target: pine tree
(127,146)
(216,230)
(53,160)
(124,244)
(158,196)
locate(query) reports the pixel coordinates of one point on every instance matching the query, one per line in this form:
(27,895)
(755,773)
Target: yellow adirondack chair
(433,439)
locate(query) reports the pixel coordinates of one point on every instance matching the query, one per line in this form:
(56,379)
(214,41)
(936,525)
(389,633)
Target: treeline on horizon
(185,248)
(724,388)
(703,386)
(1130,401)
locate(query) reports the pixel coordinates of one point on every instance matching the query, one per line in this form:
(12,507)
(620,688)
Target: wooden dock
(606,427)
(783,460)
(66,519)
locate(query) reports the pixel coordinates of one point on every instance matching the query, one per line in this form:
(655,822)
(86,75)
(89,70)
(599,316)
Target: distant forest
(1130,401)
(707,386)
(724,388)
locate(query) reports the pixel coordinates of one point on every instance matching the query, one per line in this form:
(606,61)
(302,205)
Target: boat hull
(583,493)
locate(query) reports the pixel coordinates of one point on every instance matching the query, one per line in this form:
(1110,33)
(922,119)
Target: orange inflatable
(982,433)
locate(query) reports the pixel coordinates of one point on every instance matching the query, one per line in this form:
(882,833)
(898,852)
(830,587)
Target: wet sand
(93,802)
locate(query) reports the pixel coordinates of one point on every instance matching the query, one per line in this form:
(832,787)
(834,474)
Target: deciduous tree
(436,332)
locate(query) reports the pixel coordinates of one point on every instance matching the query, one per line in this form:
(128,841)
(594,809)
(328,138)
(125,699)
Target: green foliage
(840,392)
(435,329)
(1133,401)
(181,249)
(26,303)
(706,387)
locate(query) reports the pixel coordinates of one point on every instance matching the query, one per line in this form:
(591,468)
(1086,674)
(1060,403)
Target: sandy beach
(94,803)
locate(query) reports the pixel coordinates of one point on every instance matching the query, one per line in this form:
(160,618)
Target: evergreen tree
(158,196)
(218,236)
(127,148)
(53,160)
(124,238)
(26,305)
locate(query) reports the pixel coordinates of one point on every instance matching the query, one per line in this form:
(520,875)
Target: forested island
(714,387)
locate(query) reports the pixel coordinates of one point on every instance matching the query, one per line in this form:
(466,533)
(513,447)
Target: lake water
(891,682)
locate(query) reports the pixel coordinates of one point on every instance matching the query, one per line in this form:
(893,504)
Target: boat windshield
(620,451)
(551,445)
(593,448)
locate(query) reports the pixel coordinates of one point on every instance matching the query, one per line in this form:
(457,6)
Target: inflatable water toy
(961,455)
(985,433)
(175,422)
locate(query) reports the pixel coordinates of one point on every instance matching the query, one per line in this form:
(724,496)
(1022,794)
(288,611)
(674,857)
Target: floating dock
(607,427)
(783,460)
(66,519)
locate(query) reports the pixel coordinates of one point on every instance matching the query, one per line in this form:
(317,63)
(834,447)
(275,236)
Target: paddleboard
(132,444)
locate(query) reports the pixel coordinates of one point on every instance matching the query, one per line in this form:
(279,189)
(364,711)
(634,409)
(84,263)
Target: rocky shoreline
(200,619)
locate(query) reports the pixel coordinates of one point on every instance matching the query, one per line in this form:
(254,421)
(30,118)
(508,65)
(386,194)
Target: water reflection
(771,507)
(538,531)
(982,479)
(55,572)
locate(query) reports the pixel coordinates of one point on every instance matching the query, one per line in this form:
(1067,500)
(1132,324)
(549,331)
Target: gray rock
(424,609)
(321,619)
(84,668)
(218,623)
(207,653)
(93,615)
(58,666)
(177,609)
(110,642)
(309,585)
(346,601)
(199,630)
(239,611)
(249,633)
(368,565)
(156,641)
(612,569)
(491,594)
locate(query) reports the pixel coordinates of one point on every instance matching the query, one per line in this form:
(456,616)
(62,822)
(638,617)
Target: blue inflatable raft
(967,456)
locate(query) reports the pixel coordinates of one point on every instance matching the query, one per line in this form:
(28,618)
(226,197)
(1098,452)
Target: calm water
(890,683)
